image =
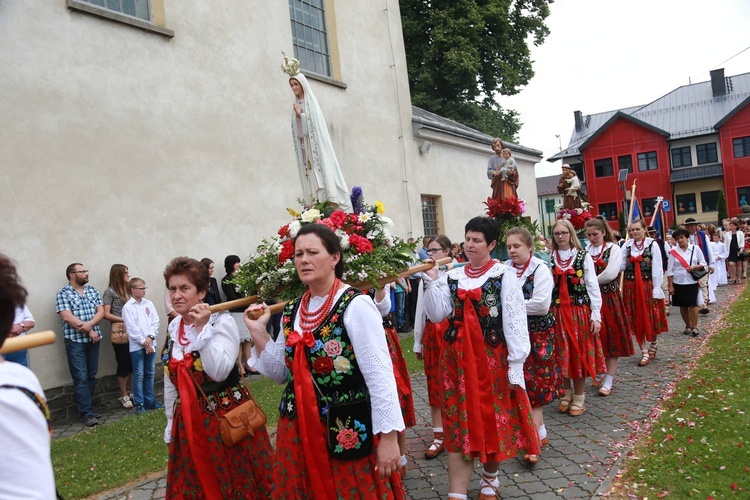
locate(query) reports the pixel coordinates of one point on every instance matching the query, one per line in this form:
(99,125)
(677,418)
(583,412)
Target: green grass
(113,455)
(700,444)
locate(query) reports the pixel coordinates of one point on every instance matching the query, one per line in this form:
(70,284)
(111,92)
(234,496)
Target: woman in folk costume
(318,167)
(615,334)
(576,304)
(201,349)
(428,343)
(400,371)
(642,295)
(541,372)
(340,417)
(486,412)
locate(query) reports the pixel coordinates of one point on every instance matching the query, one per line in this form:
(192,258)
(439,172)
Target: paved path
(584,453)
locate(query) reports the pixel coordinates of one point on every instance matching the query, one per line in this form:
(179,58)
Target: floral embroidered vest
(488,309)
(536,323)
(579,296)
(332,362)
(645,264)
(600,265)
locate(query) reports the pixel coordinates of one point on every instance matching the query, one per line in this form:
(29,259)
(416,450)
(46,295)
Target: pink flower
(347,438)
(333,348)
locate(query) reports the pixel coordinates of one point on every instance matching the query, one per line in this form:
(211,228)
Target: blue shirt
(82,307)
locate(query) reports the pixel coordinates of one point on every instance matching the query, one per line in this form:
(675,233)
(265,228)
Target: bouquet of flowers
(576,216)
(509,213)
(371,252)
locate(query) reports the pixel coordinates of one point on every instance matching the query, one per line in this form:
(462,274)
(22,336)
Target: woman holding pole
(332,351)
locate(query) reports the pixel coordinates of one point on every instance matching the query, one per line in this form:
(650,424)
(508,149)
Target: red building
(687,146)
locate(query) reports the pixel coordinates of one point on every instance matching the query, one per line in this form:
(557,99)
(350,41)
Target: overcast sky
(609,54)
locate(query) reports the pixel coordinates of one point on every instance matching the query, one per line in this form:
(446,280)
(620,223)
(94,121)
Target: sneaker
(139,409)
(125,402)
(91,421)
(157,406)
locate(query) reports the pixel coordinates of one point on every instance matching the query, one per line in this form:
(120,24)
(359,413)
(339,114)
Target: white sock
(459,496)
(403,460)
(542,431)
(568,394)
(486,490)
(607,384)
(435,430)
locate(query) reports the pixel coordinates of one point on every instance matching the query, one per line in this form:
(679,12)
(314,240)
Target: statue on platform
(503,172)
(318,167)
(570,187)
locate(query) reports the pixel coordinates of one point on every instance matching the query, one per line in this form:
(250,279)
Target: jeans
(19,357)
(144,366)
(400,309)
(83,362)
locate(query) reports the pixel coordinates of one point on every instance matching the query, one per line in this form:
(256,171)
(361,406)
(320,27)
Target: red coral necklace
(521,269)
(310,321)
(637,246)
(561,262)
(472,272)
(181,337)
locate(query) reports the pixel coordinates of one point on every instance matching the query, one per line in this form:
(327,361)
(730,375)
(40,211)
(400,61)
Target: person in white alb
(142,325)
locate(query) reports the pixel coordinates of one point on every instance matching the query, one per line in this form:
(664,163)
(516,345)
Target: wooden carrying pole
(233,304)
(363,285)
(27,341)
(627,223)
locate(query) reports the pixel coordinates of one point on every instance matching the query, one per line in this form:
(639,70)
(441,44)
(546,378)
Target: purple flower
(358,201)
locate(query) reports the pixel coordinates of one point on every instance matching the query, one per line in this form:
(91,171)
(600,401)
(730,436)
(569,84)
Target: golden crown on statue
(290,66)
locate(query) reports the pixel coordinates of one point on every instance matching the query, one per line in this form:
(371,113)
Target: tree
(721,206)
(621,224)
(462,54)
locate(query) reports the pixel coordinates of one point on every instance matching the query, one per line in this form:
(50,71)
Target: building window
(625,163)
(578,169)
(710,201)
(608,211)
(310,35)
(681,157)
(134,8)
(706,153)
(647,205)
(549,205)
(647,161)
(430,219)
(741,147)
(603,167)
(743,196)
(686,203)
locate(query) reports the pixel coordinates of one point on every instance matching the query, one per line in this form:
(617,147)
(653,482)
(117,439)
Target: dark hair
(443,241)
(599,223)
(70,269)
(117,281)
(330,242)
(12,295)
(229,262)
(485,225)
(680,232)
(206,262)
(522,233)
(192,269)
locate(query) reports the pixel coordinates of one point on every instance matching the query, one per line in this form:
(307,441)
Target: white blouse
(438,305)
(693,255)
(613,264)
(420,317)
(364,324)
(218,344)
(589,278)
(541,297)
(657,269)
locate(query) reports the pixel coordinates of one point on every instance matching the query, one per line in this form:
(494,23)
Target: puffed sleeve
(613,266)
(624,264)
(538,304)
(592,287)
(437,298)
(218,344)
(170,396)
(384,306)
(419,320)
(365,328)
(271,361)
(657,271)
(515,328)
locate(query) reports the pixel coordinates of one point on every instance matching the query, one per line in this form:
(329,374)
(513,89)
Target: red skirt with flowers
(541,371)
(354,479)
(573,362)
(432,346)
(511,431)
(244,471)
(617,341)
(403,382)
(653,307)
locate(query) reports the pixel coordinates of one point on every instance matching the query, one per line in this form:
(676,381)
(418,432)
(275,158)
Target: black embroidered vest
(536,323)
(488,309)
(579,296)
(612,286)
(645,264)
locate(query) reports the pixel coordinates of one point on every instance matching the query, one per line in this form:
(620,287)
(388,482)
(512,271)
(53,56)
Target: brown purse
(119,335)
(240,422)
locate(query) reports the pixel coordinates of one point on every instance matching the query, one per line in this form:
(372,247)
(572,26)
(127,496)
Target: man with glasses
(80,308)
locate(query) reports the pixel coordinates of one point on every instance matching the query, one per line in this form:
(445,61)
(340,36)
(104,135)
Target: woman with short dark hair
(685,289)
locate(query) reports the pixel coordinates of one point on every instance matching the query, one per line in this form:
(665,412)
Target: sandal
(603,391)
(652,350)
(488,482)
(531,459)
(437,446)
(645,359)
(687,331)
(577,410)
(695,332)
(125,402)
(564,405)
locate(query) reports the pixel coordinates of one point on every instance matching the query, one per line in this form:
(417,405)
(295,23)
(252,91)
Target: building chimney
(718,83)
(578,117)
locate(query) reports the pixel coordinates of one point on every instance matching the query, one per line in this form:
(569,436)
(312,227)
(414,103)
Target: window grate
(430,219)
(310,35)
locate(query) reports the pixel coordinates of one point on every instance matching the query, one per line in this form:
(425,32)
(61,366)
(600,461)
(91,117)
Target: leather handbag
(697,274)
(119,335)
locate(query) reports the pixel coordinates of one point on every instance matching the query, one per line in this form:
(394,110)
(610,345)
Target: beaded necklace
(563,263)
(310,321)
(521,269)
(472,272)
(637,246)
(181,337)
(597,255)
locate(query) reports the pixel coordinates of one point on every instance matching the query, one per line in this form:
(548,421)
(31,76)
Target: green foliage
(462,54)
(722,207)
(621,224)
(699,446)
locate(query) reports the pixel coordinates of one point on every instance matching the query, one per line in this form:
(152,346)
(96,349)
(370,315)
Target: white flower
(566,216)
(493,311)
(343,238)
(362,275)
(363,217)
(341,364)
(387,221)
(294,228)
(389,240)
(311,215)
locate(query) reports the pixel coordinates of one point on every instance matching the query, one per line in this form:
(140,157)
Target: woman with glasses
(428,342)
(576,304)
(642,295)
(615,334)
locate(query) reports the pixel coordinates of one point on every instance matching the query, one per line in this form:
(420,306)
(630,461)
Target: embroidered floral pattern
(489,314)
(579,296)
(350,435)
